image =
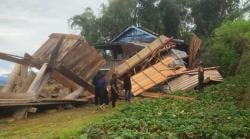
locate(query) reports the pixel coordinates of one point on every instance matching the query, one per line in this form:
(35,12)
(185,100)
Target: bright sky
(26,24)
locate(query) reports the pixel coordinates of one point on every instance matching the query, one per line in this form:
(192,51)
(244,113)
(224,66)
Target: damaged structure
(68,60)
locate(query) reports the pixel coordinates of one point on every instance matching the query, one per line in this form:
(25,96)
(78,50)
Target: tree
(209,14)
(150,14)
(170,15)
(116,17)
(86,22)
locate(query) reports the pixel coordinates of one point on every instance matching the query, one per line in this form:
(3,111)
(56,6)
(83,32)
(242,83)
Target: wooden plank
(152,76)
(36,84)
(194,47)
(141,55)
(76,79)
(74,95)
(14,58)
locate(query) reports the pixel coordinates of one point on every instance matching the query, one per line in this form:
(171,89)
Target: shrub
(226,47)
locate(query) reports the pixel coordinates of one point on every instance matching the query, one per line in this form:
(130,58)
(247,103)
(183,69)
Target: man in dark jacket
(94,82)
(127,87)
(114,89)
(102,87)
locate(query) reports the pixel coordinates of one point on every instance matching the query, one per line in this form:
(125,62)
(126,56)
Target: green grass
(64,124)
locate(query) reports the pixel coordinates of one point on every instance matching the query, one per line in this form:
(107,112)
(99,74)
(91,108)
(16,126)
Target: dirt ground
(54,124)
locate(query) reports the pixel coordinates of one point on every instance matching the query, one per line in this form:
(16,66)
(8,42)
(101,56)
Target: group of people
(103,95)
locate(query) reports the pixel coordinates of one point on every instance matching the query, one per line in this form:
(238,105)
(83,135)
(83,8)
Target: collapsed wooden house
(65,58)
(163,62)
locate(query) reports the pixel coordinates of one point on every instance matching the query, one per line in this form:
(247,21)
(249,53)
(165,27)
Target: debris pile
(161,63)
(64,58)
(69,62)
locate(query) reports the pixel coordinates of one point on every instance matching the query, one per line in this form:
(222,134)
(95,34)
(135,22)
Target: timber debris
(67,63)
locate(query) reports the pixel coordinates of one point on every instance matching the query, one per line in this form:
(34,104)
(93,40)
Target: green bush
(226,47)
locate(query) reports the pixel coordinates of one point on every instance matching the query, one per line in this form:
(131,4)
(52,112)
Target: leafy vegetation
(227,45)
(213,116)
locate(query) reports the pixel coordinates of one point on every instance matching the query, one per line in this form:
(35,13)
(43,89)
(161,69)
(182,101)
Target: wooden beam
(14,58)
(76,79)
(74,95)
(36,84)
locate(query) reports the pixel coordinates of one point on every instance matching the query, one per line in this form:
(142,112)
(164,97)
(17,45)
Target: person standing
(102,87)
(127,87)
(200,76)
(114,89)
(94,82)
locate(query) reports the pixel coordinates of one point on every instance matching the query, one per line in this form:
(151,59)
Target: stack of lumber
(141,55)
(190,80)
(154,75)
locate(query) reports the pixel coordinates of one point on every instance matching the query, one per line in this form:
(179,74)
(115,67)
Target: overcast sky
(26,24)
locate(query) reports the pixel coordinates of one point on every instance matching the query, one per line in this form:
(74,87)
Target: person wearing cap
(114,89)
(200,76)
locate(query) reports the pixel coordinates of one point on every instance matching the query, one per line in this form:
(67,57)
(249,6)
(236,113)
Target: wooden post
(33,91)
(23,73)
(44,82)
(36,84)
(12,79)
(75,94)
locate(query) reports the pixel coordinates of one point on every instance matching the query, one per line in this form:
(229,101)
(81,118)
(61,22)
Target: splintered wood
(194,47)
(190,80)
(141,55)
(154,75)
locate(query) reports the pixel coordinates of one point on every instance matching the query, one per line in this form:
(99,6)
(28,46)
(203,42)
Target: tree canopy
(168,17)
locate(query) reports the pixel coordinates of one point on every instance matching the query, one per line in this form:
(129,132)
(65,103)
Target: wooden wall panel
(153,75)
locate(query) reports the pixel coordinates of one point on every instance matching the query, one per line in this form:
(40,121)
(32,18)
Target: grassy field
(54,124)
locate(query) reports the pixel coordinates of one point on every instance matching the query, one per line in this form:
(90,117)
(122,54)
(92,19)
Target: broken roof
(135,34)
